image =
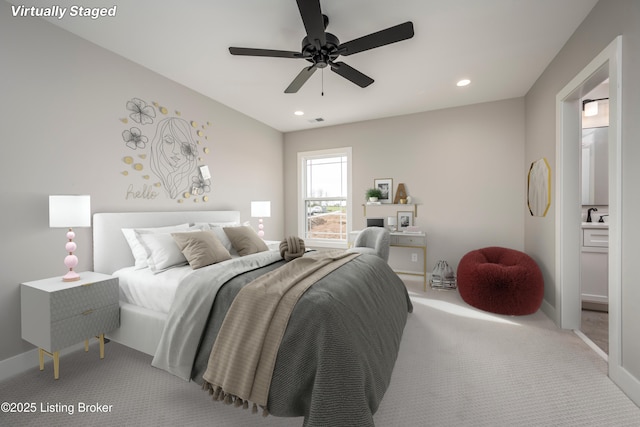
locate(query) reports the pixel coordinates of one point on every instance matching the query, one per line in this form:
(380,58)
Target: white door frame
(568,204)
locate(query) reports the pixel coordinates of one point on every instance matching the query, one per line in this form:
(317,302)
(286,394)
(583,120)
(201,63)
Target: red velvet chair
(500,280)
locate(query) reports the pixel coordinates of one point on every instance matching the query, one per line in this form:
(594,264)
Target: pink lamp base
(71,260)
(71,276)
(261,228)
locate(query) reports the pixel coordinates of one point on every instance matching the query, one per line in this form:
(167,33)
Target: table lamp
(261,209)
(69,212)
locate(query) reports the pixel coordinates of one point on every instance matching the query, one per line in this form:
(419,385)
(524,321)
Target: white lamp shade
(391,220)
(69,211)
(261,209)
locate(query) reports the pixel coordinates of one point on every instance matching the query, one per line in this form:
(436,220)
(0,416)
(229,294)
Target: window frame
(303,156)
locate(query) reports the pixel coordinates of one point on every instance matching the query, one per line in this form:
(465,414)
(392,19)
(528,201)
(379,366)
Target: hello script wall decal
(164,154)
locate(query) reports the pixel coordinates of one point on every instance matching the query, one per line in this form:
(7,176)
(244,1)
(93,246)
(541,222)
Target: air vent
(316,120)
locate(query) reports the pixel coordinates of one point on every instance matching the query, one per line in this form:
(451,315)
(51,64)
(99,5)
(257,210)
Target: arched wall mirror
(539,188)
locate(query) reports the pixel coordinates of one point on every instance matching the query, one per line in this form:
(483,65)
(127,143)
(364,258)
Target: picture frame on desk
(385,185)
(405,220)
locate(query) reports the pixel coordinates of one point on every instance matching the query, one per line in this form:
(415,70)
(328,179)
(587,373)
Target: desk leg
(424,266)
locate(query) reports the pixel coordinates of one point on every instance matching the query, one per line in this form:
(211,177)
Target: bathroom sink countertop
(595,225)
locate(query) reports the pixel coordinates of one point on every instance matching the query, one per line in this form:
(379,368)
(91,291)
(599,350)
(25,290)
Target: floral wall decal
(134,138)
(140,111)
(165,151)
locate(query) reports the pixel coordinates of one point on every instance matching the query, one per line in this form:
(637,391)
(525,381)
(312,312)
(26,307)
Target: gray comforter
(338,352)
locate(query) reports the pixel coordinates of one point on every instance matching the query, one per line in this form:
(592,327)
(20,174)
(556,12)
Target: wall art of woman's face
(174,155)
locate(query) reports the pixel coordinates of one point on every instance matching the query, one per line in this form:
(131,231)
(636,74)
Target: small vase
(373,199)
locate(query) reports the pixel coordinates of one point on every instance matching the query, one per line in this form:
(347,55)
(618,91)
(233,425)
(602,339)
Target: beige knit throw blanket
(243,357)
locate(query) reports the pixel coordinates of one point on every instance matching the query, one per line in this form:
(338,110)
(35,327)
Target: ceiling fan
(322,48)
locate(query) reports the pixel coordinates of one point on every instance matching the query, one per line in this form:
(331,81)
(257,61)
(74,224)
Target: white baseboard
(29,359)
(550,311)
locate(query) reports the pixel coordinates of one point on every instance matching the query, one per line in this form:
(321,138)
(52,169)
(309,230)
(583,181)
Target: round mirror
(539,188)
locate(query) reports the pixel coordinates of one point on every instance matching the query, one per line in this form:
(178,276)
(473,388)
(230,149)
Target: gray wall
(607,20)
(463,166)
(62,104)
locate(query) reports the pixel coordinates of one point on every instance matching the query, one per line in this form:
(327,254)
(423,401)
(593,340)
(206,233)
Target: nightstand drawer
(73,301)
(83,326)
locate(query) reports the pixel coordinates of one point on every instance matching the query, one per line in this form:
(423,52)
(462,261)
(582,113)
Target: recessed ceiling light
(299,113)
(463,82)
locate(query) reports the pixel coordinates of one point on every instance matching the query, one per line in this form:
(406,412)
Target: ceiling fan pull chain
(322,79)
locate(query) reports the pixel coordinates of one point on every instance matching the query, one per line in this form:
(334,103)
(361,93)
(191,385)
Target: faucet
(589,213)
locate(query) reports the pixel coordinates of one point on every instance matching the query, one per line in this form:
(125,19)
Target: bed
(333,354)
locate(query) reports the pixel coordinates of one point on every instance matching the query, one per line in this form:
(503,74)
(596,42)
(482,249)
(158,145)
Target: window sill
(325,244)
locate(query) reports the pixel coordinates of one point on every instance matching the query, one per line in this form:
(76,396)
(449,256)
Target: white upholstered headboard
(110,249)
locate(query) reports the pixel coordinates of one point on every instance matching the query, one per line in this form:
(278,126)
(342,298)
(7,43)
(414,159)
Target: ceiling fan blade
(381,38)
(351,74)
(264,52)
(313,21)
(301,79)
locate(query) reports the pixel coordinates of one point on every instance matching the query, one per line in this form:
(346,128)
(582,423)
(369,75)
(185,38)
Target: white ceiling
(502,46)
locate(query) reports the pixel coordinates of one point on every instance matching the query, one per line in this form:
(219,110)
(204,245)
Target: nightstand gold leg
(41,357)
(56,365)
(101,339)
(86,345)
(56,361)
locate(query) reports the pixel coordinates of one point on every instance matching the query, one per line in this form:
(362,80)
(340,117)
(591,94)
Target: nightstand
(57,314)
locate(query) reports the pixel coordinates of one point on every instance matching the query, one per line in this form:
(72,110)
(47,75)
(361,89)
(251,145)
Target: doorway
(594,190)
(568,196)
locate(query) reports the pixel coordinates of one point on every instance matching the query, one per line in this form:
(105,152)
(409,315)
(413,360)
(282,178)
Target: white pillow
(163,251)
(137,249)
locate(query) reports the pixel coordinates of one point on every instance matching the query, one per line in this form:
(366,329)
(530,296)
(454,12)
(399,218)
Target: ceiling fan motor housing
(321,57)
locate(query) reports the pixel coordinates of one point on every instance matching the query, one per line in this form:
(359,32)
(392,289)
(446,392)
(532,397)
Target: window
(324,183)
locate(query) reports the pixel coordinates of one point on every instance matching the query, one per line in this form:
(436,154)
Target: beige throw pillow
(201,248)
(245,240)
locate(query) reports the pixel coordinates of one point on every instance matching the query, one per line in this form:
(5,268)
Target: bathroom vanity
(594,258)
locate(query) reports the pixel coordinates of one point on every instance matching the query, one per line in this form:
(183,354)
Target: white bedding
(141,327)
(156,291)
(146,289)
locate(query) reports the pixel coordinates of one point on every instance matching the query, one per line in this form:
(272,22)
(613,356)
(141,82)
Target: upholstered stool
(501,280)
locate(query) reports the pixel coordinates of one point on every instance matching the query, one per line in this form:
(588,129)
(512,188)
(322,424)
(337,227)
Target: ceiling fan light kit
(322,49)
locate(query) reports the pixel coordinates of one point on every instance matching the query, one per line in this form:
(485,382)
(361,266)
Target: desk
(405,240)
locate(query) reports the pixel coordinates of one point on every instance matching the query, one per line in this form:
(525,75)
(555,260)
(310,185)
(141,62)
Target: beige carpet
(457,367)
